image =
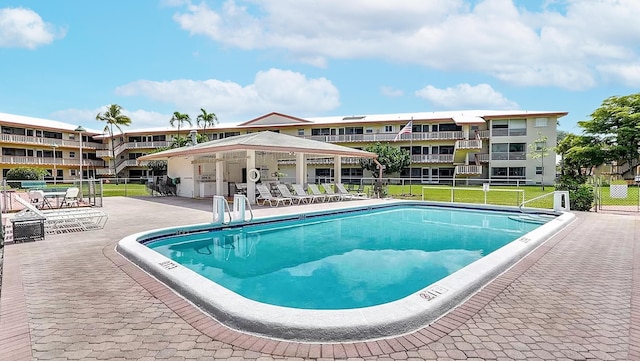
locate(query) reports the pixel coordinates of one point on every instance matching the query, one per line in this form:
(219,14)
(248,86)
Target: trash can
(28,228)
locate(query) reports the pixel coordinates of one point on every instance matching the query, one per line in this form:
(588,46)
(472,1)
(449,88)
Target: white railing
(23,139)
(386,137)
(468,169)
(469,144)
(452,190)
(432,158)
(7,159)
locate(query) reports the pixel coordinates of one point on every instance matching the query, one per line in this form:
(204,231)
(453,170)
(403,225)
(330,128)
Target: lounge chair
(342,190)
(71,197)
(266,196)
(284,191)
(38,199)
(328,189)
(299,190)
(316,191)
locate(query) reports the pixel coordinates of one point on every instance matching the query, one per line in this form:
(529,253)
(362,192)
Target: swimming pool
(351,274)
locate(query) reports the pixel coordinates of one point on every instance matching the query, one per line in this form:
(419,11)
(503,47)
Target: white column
(219,175)
(337,169)
(251,186)
(301,168)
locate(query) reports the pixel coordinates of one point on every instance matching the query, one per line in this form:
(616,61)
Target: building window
(541,122)
(72,154)
(499,171)
(508,151)
(509,127)
(72,172)
(301,132)
(540,146)
(508,172)
(368,130)
(539,170)
(388,128)
(321,131)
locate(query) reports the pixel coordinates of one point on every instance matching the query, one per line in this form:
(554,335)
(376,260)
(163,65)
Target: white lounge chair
(342,190)
(285,192)
(38,199)
(299,190)
(328,189)
(266,196)
(315,190)
(71,197)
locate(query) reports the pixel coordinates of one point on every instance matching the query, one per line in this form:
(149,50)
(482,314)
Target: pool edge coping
(387,320)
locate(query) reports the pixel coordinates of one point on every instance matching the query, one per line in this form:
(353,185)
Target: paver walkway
(71,297)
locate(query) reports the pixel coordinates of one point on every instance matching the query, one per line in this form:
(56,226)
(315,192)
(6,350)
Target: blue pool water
(343,261)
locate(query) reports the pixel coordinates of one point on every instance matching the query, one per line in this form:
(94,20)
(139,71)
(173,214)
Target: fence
(621,197)
(91,191)
(485,195)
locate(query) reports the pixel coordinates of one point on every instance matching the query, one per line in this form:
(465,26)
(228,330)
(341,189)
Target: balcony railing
(469,144)
(432,158)
(23,139)
(106,153)
(344,160)
(468,169)
(10,159)
(386,137)
(482,157)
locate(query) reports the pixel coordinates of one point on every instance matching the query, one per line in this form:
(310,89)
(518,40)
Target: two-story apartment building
(493,145)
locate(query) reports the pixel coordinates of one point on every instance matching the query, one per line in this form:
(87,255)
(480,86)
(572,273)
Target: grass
(497,195)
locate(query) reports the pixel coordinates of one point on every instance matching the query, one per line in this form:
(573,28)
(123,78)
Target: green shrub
(581,195)
(24,173)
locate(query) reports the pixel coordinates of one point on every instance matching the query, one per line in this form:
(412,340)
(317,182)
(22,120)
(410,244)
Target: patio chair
(316,191)
(299,190)
(285,192)
(38,199)
(266,196)
(71,198)
(328,189)
(342,190)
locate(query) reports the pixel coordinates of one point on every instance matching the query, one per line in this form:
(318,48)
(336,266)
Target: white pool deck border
(391,319)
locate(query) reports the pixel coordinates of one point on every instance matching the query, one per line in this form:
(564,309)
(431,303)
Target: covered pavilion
(207,169)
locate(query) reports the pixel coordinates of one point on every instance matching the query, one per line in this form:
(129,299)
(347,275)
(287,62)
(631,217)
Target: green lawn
(498,195)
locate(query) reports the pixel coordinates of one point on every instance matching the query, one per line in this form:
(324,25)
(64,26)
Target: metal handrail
(228,208)
(533,199)
(246,199)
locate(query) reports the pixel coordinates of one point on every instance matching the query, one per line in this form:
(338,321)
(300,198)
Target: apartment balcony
(464,147)
(432,158)
(48,161)
(45,142)
(482,157)
(466,170)
(386,137)
(321,161)
(106,153)
(130,163)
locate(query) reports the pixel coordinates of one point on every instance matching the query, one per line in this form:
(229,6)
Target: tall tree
(392,159)
(616,124)
(206,119)
(113,117)
(179,118)
(580,155)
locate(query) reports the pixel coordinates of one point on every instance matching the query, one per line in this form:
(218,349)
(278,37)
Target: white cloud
(87,118)
(628,74)
(272,90)
(391,92)
(465,96)
(564,46)
(24,28)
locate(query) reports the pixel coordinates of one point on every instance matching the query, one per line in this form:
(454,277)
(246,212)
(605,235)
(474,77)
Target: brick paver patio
(72,297)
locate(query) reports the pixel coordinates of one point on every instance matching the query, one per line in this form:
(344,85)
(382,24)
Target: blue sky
(67,60)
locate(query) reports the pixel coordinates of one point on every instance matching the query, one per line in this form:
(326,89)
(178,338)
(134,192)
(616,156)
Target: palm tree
(113,117)
(179,118)
(206,119)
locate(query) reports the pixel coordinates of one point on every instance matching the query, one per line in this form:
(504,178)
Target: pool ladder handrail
(240,211)
(219,215)
(559,197)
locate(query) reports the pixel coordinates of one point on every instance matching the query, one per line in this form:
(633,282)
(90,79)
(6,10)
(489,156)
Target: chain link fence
(617,196)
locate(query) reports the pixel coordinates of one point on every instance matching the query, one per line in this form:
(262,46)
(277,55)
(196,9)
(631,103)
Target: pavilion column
(301,168)
(219,175)
(337,169)
(251,186)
